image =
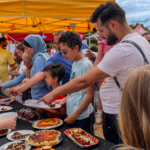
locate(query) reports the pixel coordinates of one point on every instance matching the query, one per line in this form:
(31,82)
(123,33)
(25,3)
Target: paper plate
(20,131)
(4,147)
(34,125)
(8,115)
(8,108)
(41,105)
(9,130)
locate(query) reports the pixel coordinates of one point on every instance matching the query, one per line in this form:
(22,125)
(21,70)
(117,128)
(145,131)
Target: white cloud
(137,11)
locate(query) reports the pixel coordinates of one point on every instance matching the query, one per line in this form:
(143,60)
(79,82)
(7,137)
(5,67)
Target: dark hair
(94,49)
(20,47)
(60,32)
(71,38)
(2,39)
(147,33)
(17,60)
(48,46)
(56,70)
(107,12)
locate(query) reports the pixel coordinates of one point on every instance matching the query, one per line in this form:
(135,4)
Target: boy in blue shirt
(79,107)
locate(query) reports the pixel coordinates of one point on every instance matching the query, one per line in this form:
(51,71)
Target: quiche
(48,122)
(43,138)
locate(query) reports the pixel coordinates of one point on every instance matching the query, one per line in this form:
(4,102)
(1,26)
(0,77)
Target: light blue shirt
(74,100)
(14,82)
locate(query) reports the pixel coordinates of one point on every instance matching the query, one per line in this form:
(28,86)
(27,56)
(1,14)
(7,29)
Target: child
(79,107)
(9,123)
(54,73)
(134,115)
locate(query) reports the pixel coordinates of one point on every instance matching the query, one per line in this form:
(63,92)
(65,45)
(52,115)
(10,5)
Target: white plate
(34,125)
(20,131)
(8,108)
(3,147)
(8,115)
(41,105)
(4,100)
(9,130)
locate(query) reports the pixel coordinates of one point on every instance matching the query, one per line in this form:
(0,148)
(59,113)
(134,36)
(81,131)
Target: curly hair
(71,39)
(56,70)
(107,12)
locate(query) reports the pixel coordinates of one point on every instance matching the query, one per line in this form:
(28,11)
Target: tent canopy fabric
(46,16)
(139,30)
(20,37)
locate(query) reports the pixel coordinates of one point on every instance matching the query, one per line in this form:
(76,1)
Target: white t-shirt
(118,61)
(53,51)
(22,67)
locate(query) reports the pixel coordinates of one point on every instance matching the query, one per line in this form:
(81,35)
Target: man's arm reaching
(76,84)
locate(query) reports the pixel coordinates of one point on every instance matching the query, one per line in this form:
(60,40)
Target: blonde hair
(134,116)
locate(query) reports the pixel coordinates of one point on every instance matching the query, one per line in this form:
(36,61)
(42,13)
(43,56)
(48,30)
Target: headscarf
(39,46)
(28,59)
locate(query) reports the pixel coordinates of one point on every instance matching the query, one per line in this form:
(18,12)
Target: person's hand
(90,55)
(99,83)
(60,102)
(71,119)
(9,123)
(47,99)
(14,91)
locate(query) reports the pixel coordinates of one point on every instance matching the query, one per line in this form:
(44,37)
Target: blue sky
(137,11)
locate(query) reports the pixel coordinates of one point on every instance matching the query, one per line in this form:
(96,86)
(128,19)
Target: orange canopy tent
(46,16)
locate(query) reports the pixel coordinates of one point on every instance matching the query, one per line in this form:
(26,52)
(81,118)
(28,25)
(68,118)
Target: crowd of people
(67,77)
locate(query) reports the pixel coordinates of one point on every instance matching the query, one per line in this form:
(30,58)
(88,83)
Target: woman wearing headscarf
(35,47)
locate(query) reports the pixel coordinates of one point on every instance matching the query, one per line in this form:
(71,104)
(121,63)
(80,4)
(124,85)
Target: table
(66,143)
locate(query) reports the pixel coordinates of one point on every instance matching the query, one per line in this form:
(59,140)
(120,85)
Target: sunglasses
(64,52)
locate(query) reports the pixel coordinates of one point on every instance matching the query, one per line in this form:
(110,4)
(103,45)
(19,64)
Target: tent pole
(89,40)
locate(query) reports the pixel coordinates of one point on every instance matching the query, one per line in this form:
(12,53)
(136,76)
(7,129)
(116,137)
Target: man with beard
(147,36)
(109,19)
(5,60)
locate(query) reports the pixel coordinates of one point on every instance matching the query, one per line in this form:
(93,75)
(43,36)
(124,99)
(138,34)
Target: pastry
(3,131)
(19,136)
(4,108)
(48,122)
(43,138)
(17,146)
(29,114)
(52,105)
(3,97)
(79,137)
(45,148)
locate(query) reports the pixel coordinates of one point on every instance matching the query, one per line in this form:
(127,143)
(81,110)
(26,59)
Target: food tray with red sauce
(86,136)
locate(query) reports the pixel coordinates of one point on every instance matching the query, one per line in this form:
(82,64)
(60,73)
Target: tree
(133,26)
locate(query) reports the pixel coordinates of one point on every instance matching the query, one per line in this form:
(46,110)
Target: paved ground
(99,131)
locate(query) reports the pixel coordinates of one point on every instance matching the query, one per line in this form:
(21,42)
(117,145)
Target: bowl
(8,115)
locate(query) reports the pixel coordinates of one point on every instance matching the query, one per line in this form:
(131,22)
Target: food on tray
(43,138)
(45,148)
(4,108)
(17,146)
(48,122)
(3,97)
(52,105)
(3,131)
(19,136)
(29,114)
(78,136)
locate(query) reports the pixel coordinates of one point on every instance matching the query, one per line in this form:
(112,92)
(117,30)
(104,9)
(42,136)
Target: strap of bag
(142,53)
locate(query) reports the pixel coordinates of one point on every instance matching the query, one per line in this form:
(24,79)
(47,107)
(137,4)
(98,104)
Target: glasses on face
(64,52)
